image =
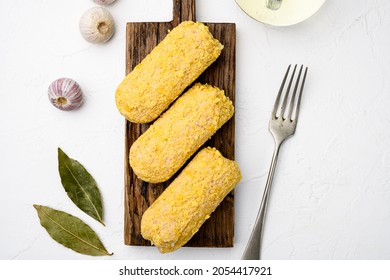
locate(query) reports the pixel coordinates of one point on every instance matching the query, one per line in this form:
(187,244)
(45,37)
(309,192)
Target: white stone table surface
(331,192)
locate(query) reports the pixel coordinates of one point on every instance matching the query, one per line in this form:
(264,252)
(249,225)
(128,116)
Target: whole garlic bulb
(65,94)
(104,2)
(97,25)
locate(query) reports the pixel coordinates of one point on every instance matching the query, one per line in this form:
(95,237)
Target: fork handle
(253,248)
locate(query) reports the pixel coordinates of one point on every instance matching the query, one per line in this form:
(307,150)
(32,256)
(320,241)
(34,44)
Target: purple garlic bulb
(65,94)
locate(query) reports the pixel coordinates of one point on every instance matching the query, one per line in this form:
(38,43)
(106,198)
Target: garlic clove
(65,94)
(104,2)
(97,25)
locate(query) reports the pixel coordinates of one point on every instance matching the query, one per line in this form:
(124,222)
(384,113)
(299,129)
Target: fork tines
(280,110)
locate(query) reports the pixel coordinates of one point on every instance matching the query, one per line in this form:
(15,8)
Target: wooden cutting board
(141,38)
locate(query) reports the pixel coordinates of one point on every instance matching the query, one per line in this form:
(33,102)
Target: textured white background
(331,193)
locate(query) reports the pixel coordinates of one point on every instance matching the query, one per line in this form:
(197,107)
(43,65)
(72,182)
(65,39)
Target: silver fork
(281,127)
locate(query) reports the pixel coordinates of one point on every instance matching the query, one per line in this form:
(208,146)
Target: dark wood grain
(218,230)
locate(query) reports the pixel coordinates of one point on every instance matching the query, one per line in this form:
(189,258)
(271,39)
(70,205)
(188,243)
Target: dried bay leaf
(80,186)
(70,231)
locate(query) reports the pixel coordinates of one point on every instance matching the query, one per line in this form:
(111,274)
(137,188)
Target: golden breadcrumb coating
(165,73)
(174,137)
(189,200)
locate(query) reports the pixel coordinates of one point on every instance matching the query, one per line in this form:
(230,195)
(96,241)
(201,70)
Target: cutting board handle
(183,10)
